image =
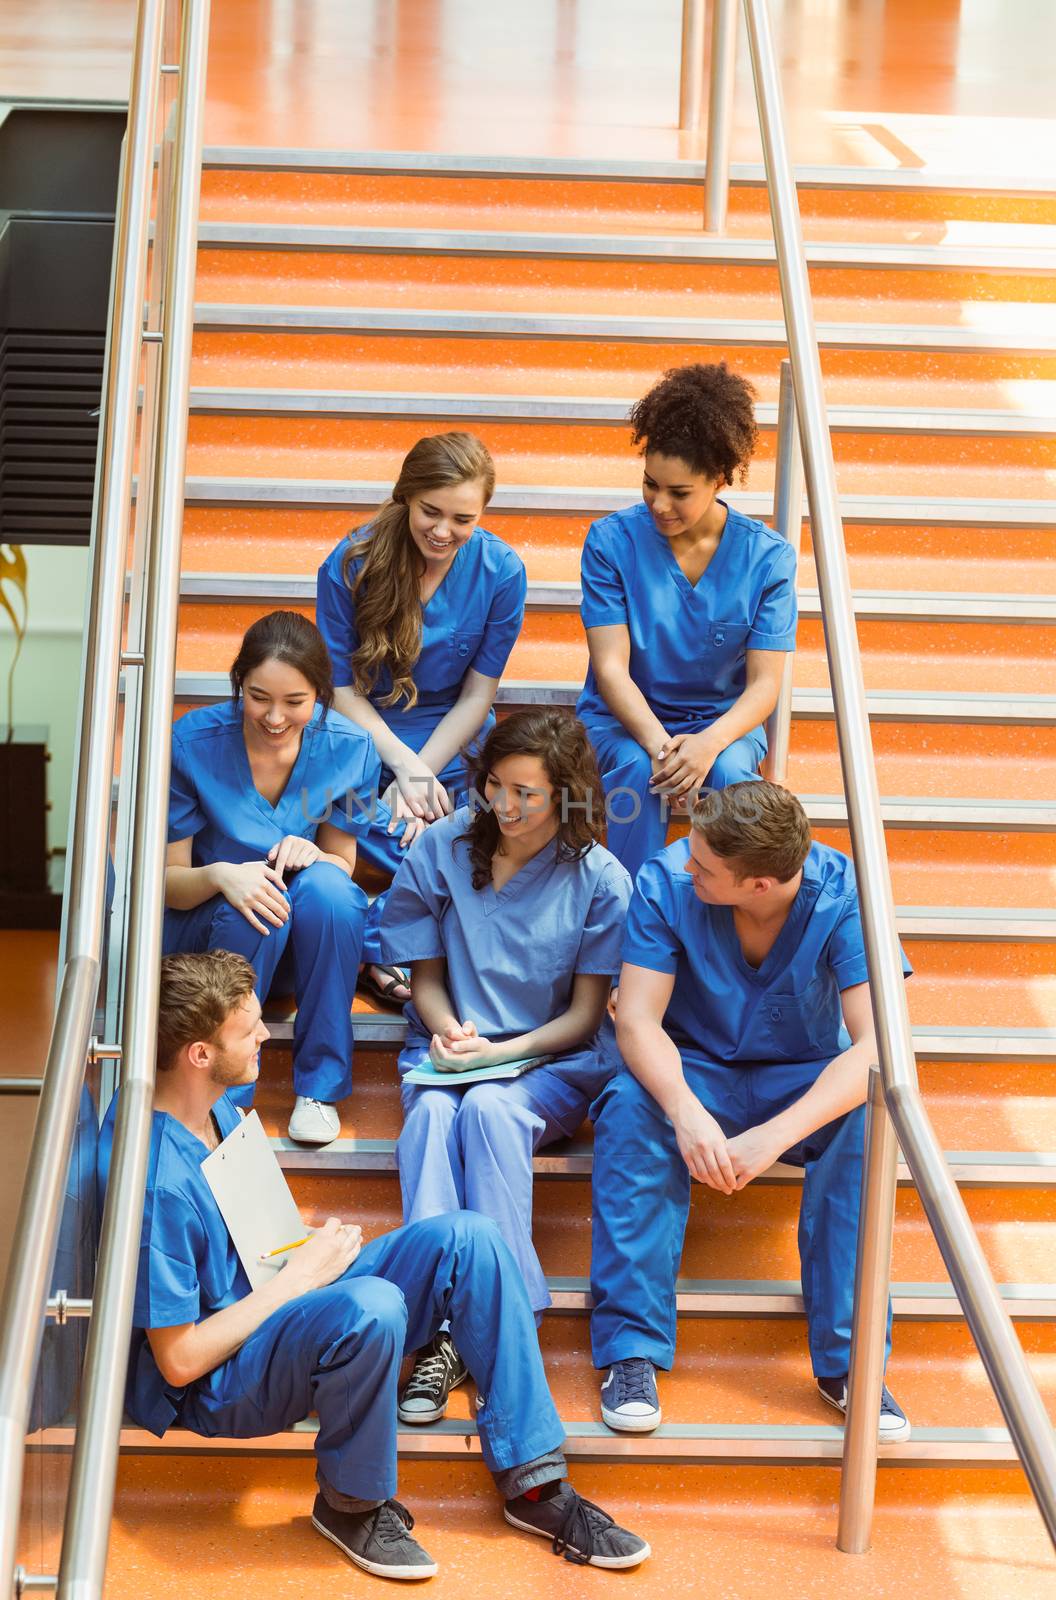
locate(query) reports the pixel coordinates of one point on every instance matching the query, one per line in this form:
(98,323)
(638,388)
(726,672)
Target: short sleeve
(774,623)
(418,899)
(602,937)
(846,948)
(167,1293)
(604,596)
(360,808)
(650,940)
(335,615)
(186,817)
(502,625)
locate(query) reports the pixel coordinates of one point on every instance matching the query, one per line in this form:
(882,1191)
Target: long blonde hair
(386,587)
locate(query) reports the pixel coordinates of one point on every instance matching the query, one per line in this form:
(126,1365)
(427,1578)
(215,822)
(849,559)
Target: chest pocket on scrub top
(724,646)
(463,648)
(794,1027)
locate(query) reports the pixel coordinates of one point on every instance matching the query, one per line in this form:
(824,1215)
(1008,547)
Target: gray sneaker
(577,1529)
(379,1541)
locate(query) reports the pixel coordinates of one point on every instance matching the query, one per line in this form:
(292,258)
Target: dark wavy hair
(561,743)
(289,637)
(704,416)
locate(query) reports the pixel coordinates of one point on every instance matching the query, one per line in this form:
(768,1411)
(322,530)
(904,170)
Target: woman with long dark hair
(510,913)
(420,609)
(269,791)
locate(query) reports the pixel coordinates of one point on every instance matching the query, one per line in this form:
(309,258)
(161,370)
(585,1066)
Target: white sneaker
(313,1121)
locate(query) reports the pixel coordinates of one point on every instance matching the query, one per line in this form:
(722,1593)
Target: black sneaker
(629,1400)
(438,1368)
(894,1424)
(576,1528)
(379,1541)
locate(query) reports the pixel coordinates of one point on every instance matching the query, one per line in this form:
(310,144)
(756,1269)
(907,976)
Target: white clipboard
(254,1198)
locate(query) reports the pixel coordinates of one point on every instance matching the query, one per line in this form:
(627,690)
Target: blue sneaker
(894,1424)
(629,1401)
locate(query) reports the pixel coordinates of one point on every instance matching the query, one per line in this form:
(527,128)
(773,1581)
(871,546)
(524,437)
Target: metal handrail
(36,1230)
(94,1469)
(991,1327)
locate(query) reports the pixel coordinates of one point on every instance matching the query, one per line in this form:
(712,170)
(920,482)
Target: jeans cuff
(514,1481)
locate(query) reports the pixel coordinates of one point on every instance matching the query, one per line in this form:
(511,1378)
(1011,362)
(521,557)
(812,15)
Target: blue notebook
(428,1075)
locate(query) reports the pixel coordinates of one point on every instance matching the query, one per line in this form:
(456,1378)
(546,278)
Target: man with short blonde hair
(746,1030)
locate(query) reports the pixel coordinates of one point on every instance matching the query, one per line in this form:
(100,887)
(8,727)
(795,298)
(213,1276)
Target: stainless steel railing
(36,1230)
(896,1110)
(90,1504)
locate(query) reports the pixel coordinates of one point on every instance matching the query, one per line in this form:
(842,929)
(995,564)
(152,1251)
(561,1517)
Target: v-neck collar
(493,898)
(677,575)
(455,559)
(777,955)
(292,783)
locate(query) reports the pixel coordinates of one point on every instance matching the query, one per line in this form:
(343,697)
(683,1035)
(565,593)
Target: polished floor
(954,85)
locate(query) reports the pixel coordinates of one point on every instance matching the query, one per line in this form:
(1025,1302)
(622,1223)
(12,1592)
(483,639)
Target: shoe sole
(401,1574)
(612,1419)
(416,1419)
(614,1563)
(888,1436)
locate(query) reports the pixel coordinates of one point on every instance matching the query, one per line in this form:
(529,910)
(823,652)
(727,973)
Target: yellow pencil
(267,1254)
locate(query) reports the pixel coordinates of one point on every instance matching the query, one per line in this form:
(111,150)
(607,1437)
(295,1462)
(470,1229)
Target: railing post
(788,520)
(720,113)
(872,1280)
(691,80)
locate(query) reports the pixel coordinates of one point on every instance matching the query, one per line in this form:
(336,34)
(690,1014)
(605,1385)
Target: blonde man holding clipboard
(328,1332)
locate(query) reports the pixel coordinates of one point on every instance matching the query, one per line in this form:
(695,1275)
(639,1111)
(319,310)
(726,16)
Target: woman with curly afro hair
(689,607)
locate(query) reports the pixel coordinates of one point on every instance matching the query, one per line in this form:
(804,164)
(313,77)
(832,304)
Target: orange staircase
(348,305)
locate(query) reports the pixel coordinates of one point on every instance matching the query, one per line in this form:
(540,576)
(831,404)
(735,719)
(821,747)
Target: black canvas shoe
(379,1541)
(438,1368)
(894,1424)
(629,1400)
(576,1528)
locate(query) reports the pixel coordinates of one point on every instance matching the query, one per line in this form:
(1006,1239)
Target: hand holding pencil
(320,1258)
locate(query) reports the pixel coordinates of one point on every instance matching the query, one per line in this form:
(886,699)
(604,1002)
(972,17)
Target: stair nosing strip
(962,422)
(648,330)
(553,594)
(289,158)
(688,249)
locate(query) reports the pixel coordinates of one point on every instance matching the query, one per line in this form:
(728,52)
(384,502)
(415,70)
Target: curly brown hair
(562,744)
(704,416)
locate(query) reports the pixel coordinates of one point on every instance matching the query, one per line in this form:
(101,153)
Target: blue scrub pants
(641,1192)
(381,848)
(636,820)
(337,1351)
(473,1148)
(316,953)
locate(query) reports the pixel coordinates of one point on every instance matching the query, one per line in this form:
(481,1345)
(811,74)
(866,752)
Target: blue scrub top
(188,1266)
(213,798)
(512,954)
(788,1009)
(688,641)
(472,620)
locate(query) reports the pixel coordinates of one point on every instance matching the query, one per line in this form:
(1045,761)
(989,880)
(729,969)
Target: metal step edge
(593,1441)
(930,1043)
(871,605)
(968,422)
(588,168)
(409,163)
(970,1168)
(702,248)
(810,705)
(732,1297)
(893,510)
(639,330)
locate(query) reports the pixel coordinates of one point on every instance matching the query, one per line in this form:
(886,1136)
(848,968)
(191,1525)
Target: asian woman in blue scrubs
(420,610)
(268,793)
(689,608)
(511,914)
